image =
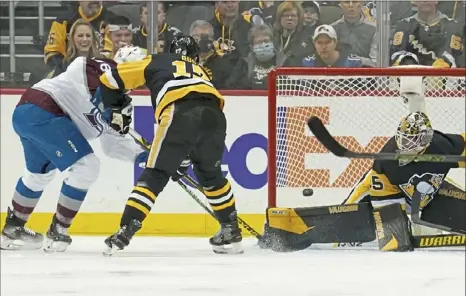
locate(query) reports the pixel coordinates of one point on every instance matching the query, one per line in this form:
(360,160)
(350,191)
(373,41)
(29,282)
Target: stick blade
(320,131)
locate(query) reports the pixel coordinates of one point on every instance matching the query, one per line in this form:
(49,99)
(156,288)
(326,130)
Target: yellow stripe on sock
(146,191)
(138,206)
(224,206)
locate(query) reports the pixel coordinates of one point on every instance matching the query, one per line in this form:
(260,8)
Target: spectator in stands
(213,63)
(356,33)
(83,41)
(121,33)
(265,10)
(91,11)
(230,30)
(311,16)
(428,38)
(290,37)
(251,72)
(325,42)
(398,10)
(165,34)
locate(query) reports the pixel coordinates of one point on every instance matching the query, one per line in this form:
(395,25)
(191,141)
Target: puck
(308,192)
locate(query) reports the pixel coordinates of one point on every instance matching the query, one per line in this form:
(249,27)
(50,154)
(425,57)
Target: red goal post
(361,107)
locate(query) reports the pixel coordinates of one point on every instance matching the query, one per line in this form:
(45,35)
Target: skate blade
(53,246)
(8,244)
(232,249)
(109,251)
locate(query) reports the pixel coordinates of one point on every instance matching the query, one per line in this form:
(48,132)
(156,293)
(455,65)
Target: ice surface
(187,266)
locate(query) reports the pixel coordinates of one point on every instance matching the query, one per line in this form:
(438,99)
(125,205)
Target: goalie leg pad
(393,228)
(447,208)
(296,229)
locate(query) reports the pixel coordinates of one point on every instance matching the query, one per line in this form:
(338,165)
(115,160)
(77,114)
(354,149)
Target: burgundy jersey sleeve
(94,69)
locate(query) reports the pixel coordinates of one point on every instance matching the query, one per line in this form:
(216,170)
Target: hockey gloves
(181,170)
(119,118)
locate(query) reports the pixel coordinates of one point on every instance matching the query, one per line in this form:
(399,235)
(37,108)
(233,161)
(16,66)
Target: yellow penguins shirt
(168,77)
(392,183)
(55,49)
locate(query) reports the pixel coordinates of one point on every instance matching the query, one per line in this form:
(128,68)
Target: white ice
(186,266)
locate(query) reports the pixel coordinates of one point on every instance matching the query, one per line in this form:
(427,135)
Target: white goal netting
(362,111)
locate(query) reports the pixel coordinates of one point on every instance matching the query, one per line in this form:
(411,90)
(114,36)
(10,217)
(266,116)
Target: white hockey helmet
(130,53)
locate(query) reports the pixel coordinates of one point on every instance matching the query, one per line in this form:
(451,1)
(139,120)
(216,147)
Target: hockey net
(361,107)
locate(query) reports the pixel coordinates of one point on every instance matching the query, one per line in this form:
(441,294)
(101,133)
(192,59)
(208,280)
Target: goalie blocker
(291,229)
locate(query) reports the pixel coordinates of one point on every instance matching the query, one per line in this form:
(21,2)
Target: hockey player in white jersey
(55,120)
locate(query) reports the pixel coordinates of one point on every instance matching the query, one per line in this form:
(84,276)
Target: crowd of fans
(244,41)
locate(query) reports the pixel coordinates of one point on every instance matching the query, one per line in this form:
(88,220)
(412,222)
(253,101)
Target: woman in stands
(82,41)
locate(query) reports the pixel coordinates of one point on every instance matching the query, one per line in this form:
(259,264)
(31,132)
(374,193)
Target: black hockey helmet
(185,45)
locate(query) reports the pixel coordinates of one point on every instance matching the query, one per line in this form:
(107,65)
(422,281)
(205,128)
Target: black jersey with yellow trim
(390,181)
(168,77)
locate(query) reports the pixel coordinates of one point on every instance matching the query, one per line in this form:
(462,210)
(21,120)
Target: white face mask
(264,51)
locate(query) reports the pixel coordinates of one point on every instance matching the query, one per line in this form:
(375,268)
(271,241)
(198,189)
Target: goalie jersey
(169,78)
(388,183)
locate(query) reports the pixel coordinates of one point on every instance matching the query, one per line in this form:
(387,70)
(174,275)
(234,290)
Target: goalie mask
(414,134)
(130,54)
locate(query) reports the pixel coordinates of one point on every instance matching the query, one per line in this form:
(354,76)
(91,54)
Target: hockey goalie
(378,206)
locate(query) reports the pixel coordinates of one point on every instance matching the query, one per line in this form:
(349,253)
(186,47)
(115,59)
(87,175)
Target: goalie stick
(146,145)
(322,134)
(416,214)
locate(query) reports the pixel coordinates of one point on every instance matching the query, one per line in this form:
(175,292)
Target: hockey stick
(323,135)
(145,144)
(241,221)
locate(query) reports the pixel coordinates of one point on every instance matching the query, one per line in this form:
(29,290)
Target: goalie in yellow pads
(389,187)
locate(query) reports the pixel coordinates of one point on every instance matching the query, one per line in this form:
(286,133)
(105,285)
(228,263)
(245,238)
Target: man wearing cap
(325,42)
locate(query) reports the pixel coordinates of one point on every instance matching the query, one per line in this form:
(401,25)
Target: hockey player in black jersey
(189,122)
(395,181)
(389,182)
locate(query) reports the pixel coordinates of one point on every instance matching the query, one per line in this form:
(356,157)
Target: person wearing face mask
(91,11)
(251,72)
(210,58)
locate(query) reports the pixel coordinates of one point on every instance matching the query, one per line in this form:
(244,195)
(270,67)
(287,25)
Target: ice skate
(228,239)
(19,237)
(58,239)
(121,239)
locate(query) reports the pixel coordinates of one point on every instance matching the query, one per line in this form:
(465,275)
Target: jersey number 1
(184,69)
